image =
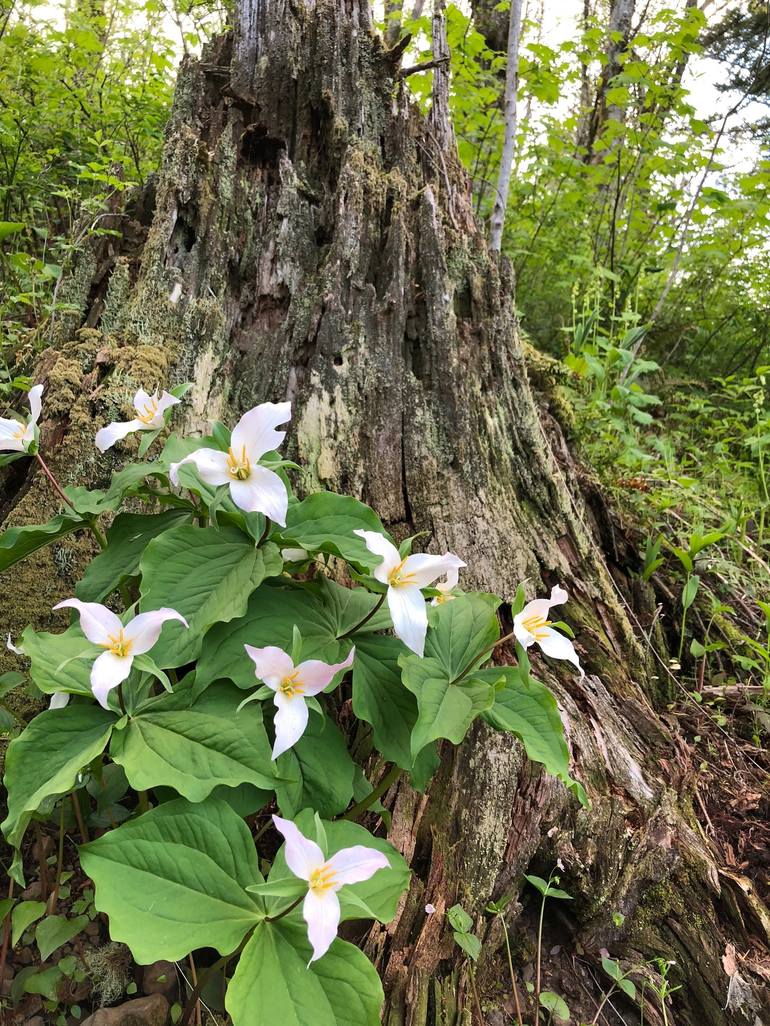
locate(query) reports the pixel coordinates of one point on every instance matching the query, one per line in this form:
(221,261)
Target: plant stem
(539,953)
(375,609)
(385,783)
(54,483)
(59,864)
(286,911)
(602,1003)
(194,978)
(266,532)
(510,968)
(481,658)
(144,804)
(121,699)
(42,867)
(79,817)
(192,1001)
(475,993)
(6,933)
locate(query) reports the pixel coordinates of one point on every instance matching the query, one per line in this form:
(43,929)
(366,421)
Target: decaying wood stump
(311,237)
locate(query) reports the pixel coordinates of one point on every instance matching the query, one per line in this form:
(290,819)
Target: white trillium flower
(149,417)
(447,587)
(17,437)
(253,488)
(532,625)
(59,699)
(102,627)
(292,685)
(321,907)
(405,578)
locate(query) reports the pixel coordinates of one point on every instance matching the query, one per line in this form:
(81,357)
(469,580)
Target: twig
(415,69)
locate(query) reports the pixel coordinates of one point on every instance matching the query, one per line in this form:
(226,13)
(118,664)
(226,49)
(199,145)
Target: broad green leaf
(527,709)
(127,539)
(45,759)
(321,609)
(380,698)
(54,931)
(470,944)
(459,919)
(377,897)
(274,984)
(325,522)
(18,542)
(8,228)
(54,662)
(175,879)
(25,914)
(690,590)
(555,1004)
(449,693)
(207,575)
(195,747)
(321,771)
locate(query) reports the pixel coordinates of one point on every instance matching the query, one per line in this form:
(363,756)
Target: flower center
(238,468)
(120,646)
(20,431)
(150,409)
(535,624)
(322,880)
(292,685)
(398,579)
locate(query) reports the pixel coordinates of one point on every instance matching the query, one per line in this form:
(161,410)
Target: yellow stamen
(398,580)
(150,409)
(535,624)
(322,880)
(238,469)
(292,685)
(120,646)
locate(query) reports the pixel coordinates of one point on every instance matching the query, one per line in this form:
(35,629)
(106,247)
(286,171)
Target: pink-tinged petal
(558,596)
(356,864)
(97,622)
(422,569)
(107,672)
(106,437)
(256,430)
(35,403)
(379,545)
(410,616)
(210,465)
(144,630)
(290,721)
(271,664)
(321,912)
(11,437)
(262,492)
(558,646)
(302,855)
(314,675)
(59,699)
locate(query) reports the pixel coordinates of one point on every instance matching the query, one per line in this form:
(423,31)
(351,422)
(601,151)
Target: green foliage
(190,744)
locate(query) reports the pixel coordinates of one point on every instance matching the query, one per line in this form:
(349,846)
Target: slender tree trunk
(618,34)
(311,237)
(497,221)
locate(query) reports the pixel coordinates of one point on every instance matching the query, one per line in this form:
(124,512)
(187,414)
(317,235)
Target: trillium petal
(409,615)
(97,622)
(210,465)
(379,545)
(423,569)
(107,672)
(272,664)
(11,439)
(558,646)
(143,399)
(106,437)
(321,912)
(303,856)
(262,492)
(290,721)
(35,403)
(256,430)
(314,675)
(59,699)
(520,632)
(144,630)
(356,864)
(558,596)
(166,401)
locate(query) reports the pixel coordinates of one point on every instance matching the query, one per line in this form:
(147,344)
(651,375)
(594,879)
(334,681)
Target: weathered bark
(618,35)
(313,239)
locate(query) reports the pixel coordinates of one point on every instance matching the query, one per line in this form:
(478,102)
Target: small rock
(146,1011)
(93,929)
(33,892)
(159,978)
(36,1020)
